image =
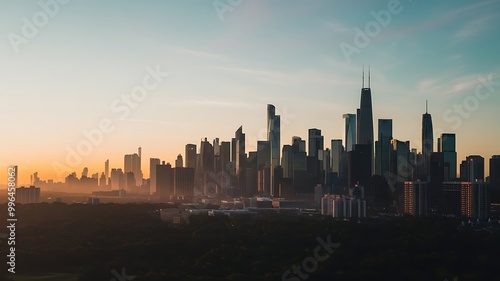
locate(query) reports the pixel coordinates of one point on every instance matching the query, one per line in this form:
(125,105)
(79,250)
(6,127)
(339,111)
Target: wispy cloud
(336,27)
(211,103)
(472,28)
(449,86)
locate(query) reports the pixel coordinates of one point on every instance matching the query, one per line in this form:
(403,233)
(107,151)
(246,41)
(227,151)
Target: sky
(85,81)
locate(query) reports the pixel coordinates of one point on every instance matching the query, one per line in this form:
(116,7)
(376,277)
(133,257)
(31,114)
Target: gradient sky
(223,72)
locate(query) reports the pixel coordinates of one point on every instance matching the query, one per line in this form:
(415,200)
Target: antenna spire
(426,106)
(368,76)
(363,78)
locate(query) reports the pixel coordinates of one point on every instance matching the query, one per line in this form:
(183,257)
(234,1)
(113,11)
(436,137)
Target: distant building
(28,195)
(343,207)
(152,174)
(447,145)
(475,200)
(416,198)
(179,163)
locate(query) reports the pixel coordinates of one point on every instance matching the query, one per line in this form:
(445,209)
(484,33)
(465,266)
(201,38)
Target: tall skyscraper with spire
(427,142)
(365,117)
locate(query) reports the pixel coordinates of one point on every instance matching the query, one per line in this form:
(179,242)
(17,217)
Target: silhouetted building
(450,199)
(190,155)
(383,147)
(447,145)
(179,162)
(287,161)
(28,195)
(427,143)
(336,156)
(472,169)
(117,179)
(350,131)
(359,161)
(152,174)
(183,181)
(475,200)
(132,163)
(415,198)
(315,142)
(106,171)
(365,119)
(495,178)
(164,181)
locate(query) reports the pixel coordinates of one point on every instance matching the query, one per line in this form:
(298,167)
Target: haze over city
(224,67)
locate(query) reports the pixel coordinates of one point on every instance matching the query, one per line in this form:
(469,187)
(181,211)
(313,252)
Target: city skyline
(59,86)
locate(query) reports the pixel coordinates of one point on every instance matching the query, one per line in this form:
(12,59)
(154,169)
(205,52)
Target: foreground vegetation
(97,242)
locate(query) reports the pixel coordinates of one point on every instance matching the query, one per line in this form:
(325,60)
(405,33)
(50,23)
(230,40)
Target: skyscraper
(365,117)
(179,163)
(472,169)
(273,134)
(427,142)
(415,198)
(495,172)
(152,174)
(315,142)
(132,163)
(350,131)
(106,171)
(190,155)
(240,158)
(448,147)
(383,147)
(336,156)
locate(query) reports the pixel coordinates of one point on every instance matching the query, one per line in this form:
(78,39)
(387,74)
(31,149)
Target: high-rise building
(315,142)
(383,147)
(350,131)
(274,134)
(152,174)
(190,155)
(240,158)
(298,144)
(263,154)
(427,142)
(106,171)
(183,181)
(179,162)
(475,200)
(472,169)
(287,161)
(225,155)
(336,155)
(365,118)
(359,165)
(415,198)
(164,181)
(28,195)
(448,148)
(132,163)
(495,172)
(117,179)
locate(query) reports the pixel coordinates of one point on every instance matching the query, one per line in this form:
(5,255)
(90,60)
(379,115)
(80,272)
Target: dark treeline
(94,240)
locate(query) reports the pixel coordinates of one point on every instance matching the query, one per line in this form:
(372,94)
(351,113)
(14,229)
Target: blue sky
(226,66)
